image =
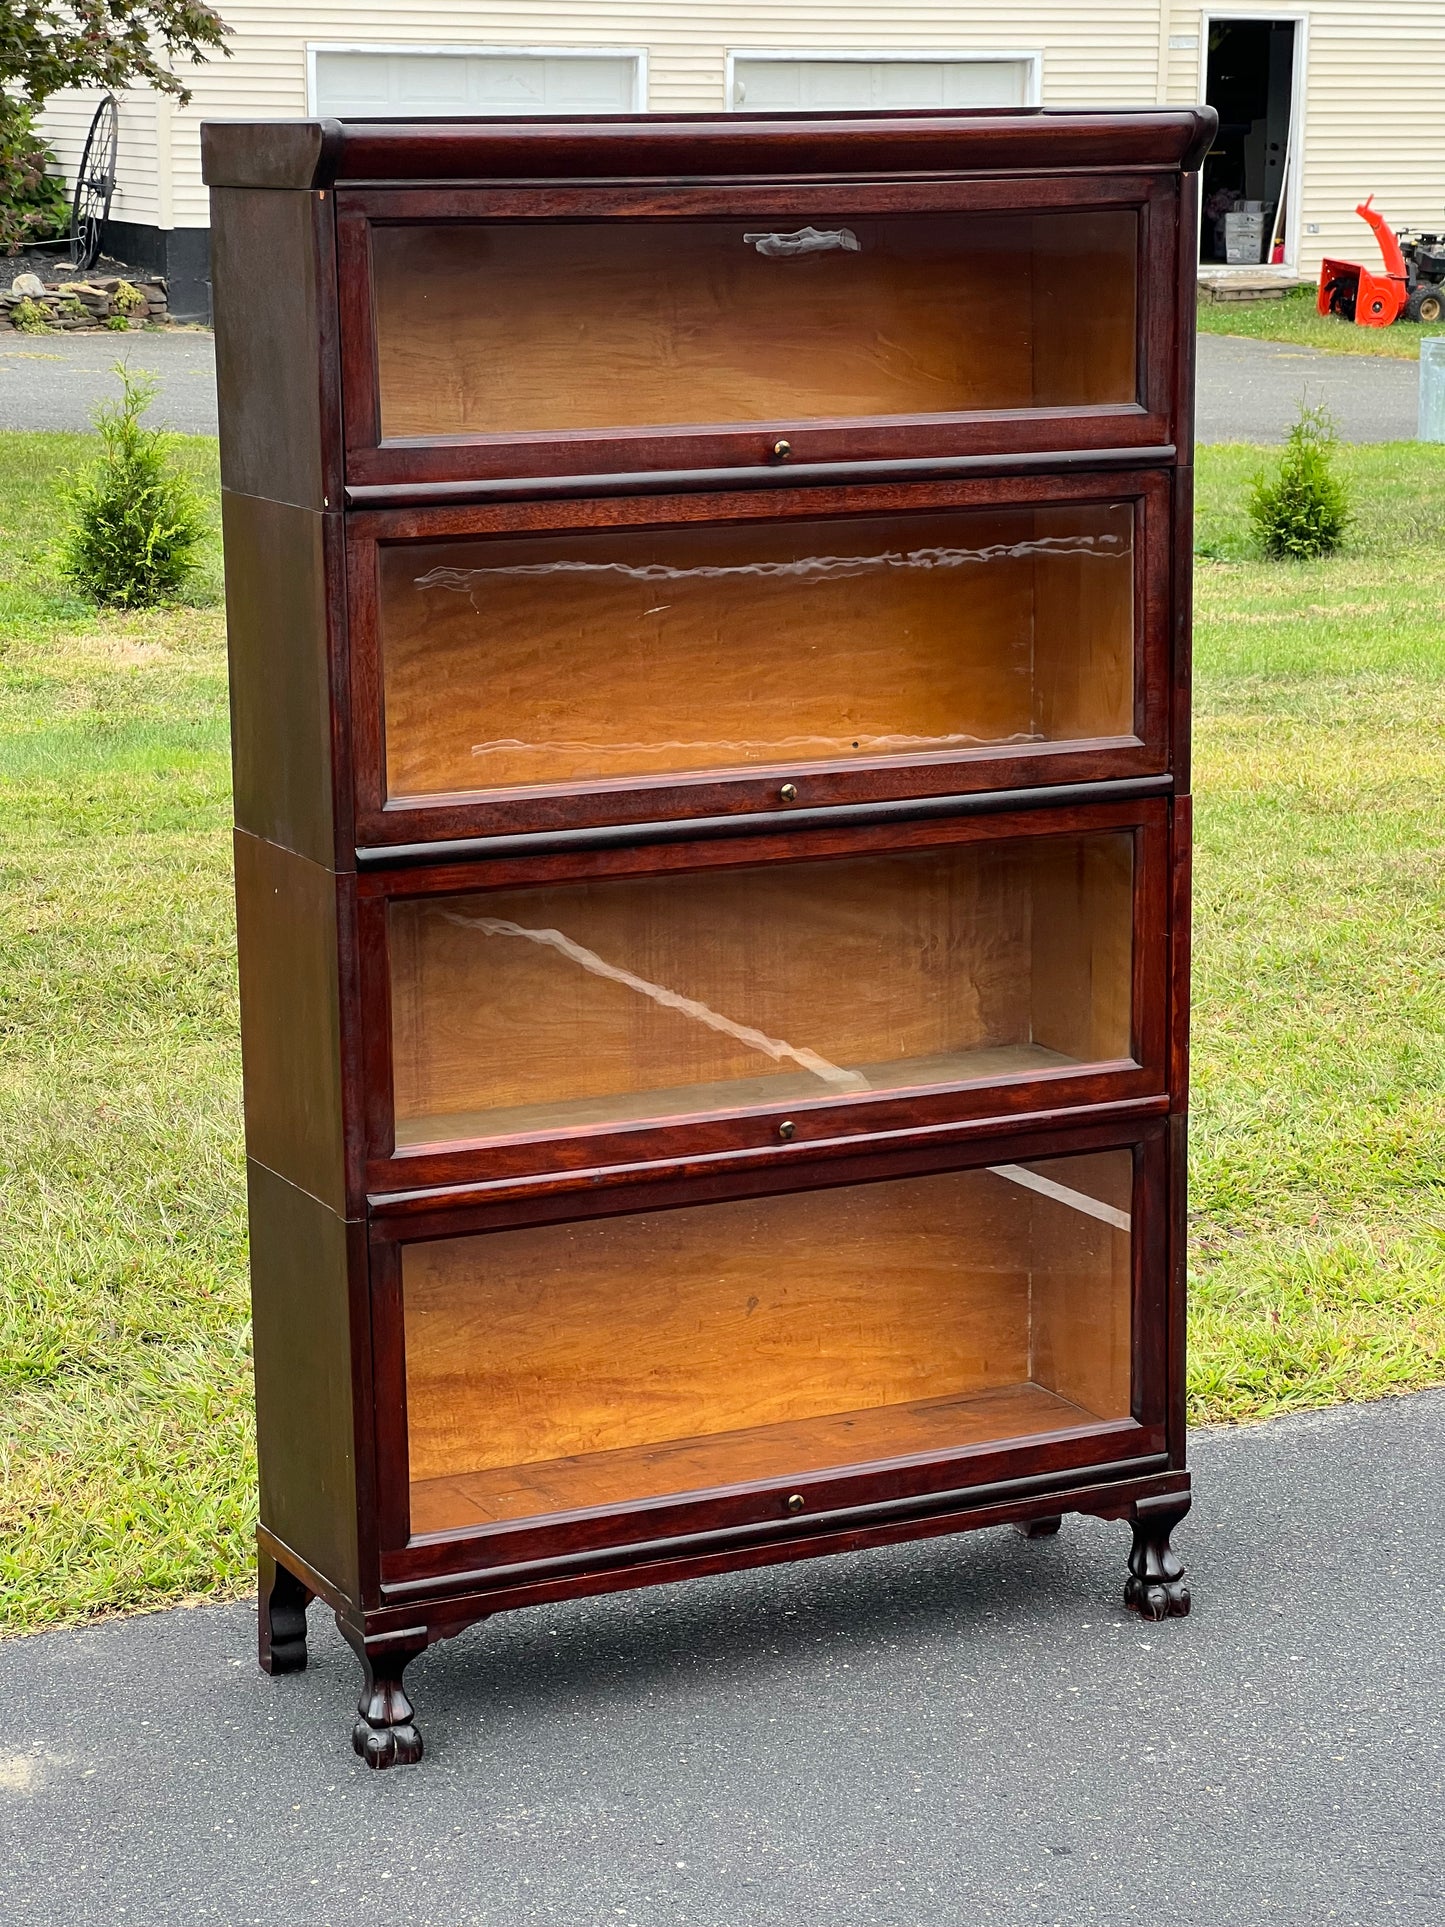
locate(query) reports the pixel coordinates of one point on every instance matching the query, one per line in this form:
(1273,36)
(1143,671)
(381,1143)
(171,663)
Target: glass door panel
(541,327)
(633,1000)
(599,656)
(591,1364)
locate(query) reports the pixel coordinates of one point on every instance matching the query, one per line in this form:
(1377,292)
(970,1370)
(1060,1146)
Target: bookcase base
(387,1639)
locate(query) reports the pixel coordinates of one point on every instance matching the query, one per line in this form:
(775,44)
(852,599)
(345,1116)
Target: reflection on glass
(597,656)
(576,1365)
(534,1011)
(496,328)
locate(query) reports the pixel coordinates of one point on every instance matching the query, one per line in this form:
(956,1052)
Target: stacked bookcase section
(709,614)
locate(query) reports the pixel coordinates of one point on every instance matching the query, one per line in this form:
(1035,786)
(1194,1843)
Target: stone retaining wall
(86,303)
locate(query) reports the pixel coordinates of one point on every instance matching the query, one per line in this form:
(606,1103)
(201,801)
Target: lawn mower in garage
(1412,285)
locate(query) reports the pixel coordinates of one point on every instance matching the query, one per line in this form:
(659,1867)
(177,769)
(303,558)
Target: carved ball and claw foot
(384,1734)
(281,1618)
(1155,1588)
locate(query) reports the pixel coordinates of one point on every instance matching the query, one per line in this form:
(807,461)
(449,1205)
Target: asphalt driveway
(1249,391)
(58,381)
(967,1733)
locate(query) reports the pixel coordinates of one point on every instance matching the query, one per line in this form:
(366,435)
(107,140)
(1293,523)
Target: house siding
(687,60)
(1374,83)
(1373,120)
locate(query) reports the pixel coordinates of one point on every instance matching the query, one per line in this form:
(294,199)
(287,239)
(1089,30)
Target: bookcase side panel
(302,1255)
(287,929)
(279,562)
(274,275)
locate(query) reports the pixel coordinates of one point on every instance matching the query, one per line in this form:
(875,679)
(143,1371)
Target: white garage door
(357,83)
(765,83)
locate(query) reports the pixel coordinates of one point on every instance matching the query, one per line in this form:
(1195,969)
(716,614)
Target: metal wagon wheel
(94,186)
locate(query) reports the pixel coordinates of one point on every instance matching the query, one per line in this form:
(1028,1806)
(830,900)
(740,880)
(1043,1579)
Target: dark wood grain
(282,1600)
(279,559)
(457,1594)
(386,821)
(273,265)
(314,154)
(270,153)
(473,491)
(1177,1289)
(303,1261)
(789,834)
(409,1476)
(791,820)
(289,936)
(1179,681)
(379,455)
(1156,1588)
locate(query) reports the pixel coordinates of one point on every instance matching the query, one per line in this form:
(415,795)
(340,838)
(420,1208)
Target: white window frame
(1030,57)
(471,50)
(1294,198)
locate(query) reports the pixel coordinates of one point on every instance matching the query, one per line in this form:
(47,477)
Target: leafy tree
(33,202)
(48,45)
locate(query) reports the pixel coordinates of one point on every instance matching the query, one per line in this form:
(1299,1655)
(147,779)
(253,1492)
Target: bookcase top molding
(321,154)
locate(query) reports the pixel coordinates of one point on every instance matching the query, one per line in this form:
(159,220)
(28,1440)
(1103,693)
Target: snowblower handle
(1387,238)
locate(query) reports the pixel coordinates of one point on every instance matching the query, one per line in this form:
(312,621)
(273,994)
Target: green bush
(33,202)
(128,299)
(30,316)
(133,523)
(1304,509)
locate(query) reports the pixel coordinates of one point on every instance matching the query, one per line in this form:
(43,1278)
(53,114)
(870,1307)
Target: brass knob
(789,792)
(796,1502)
(782,450)
(787,1130)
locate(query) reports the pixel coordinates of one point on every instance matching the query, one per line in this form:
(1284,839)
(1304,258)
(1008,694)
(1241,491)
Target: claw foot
(384,1734)
(1156,1599)
(1155,1588)
(383,1746)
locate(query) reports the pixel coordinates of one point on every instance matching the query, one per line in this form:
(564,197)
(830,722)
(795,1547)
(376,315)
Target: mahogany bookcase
(709,626)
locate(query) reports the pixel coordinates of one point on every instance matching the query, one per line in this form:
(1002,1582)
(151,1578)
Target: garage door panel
(359,83)
(773,84)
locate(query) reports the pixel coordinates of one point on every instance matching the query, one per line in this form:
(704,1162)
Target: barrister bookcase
(709,624)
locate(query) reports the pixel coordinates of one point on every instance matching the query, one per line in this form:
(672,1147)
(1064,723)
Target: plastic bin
(1432,388)
(1243,238)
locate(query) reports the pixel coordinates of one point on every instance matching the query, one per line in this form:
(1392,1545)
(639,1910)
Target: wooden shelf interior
(597,1363)
(592,1003)
(496,328)
(629,652)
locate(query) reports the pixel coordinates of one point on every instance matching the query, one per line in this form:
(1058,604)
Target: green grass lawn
(126,1465)
(1293,317)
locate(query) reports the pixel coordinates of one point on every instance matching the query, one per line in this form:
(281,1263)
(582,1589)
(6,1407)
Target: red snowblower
(1413,286)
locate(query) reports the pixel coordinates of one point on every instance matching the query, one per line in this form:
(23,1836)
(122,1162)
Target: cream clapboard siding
(141,195)
(1374,109)
(687,50)
(1374,115)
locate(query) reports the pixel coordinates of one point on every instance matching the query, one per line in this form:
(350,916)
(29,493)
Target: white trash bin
(1432,388)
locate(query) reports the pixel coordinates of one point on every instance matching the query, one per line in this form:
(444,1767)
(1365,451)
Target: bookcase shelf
(708,612)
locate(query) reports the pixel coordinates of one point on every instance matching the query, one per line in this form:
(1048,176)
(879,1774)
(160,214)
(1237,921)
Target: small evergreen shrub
(128,299)
(30,316)
(1304,509)
(133,523)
